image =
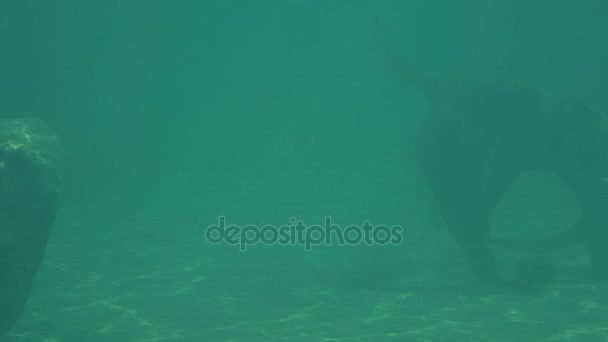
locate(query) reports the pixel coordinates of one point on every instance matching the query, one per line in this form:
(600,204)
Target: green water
(174,114)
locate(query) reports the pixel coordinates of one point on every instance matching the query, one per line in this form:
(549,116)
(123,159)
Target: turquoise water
(172,115)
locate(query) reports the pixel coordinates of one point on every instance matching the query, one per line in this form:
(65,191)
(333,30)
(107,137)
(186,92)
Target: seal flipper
(435,90)
(565,239)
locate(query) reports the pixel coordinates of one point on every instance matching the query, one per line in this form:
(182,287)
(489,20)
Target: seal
(30,184)
(476,140)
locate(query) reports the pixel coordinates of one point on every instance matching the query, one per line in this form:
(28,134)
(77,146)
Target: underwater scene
(303,170)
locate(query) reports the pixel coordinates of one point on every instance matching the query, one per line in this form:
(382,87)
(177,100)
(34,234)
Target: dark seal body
(29,193)
(476,141)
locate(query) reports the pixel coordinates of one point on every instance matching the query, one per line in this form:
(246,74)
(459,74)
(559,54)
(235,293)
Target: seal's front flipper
(435,90)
